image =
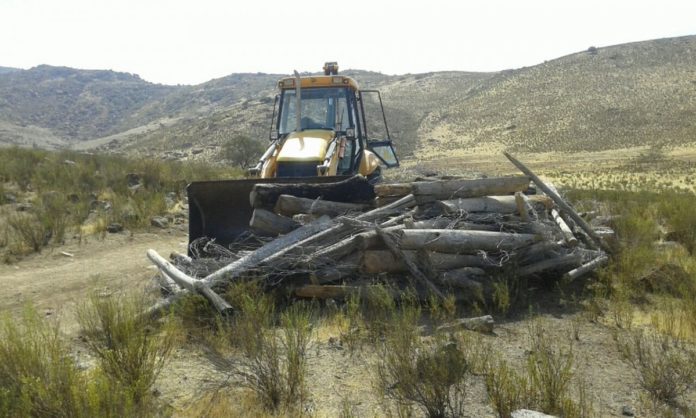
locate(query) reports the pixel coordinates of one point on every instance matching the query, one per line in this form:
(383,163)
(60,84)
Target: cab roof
(288,83)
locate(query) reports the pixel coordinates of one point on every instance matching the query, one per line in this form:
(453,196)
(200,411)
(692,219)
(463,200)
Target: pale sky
(189,42)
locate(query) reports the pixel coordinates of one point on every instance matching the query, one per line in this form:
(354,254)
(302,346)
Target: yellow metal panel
(319,81)
(308,145)
(369,163)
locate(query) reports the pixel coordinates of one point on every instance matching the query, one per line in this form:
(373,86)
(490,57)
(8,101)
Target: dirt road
(54,283)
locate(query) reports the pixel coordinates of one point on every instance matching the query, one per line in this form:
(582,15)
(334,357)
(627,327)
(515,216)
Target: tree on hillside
(242,151)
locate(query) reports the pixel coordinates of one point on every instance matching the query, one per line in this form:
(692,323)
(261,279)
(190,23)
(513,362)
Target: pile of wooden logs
(454,236)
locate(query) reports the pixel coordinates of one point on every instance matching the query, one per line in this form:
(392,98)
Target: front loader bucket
(221,209)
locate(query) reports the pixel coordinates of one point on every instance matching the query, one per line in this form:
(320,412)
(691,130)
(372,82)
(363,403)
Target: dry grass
(72,195)
(130,348)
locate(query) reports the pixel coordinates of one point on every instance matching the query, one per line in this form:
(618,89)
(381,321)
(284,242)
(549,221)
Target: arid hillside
(639,94)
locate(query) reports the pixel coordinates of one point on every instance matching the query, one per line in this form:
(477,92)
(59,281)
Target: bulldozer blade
(222,210)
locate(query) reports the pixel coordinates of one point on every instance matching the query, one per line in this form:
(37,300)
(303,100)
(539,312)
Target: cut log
(358,242)
(167,283)
(564,262)
(354,189)
(270,223)
(393,208)
(494,204)
(392,189)
(235,269)
(468,282)
(379,261)
(587,267)
(304,218)
(560,202)
(189,283)
(461,241)
(347,268)
(449,189)
(391,240)
(277,253)
(481,324)
(521,206)
(384,201)
(291,205)
(180,259)
(538,251)
(565,229)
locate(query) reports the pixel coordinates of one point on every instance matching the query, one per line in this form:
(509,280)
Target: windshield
(322,108)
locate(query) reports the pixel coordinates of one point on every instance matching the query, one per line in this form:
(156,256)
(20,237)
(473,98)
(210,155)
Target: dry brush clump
(40,378)
(665,368)
(416,373)
(65,194)
(129,346)
(543,383)
(264,349)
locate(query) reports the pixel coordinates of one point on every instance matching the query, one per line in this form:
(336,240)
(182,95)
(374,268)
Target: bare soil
(56,283)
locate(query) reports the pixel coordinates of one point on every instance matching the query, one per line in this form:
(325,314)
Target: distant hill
(5,70)
(76,104)
(603,98)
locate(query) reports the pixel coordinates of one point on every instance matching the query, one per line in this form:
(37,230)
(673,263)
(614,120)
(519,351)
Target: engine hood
(307,145)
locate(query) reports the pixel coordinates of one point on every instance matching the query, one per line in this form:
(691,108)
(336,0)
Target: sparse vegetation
(665,368)
(242,151)
(40,378)
(63,195)
(273,361)
(431,375)
(646,296)
(543,384)
(130,349)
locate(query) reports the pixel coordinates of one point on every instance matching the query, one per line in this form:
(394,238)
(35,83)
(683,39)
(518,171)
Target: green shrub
(507,390)
(39,378)
(550,371)
(274,362)
(126,343)
(665,370)
(543,384)
(29,230)
(242,151)
(431,375)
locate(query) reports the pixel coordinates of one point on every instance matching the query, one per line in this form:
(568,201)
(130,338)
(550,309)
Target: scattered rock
(114,227)
(170,200)
(134,188)
(196,151)
(159,222)
(132,179)
(482,324)
(24,207)
(100,205)
(9,198)
(526,413)
(627,411)
(73,198)
(69,162)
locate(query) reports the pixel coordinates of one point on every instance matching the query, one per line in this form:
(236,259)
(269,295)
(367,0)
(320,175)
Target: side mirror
(274,135)
(350,133)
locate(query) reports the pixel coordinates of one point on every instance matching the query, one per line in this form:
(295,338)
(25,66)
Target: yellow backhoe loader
(319,134)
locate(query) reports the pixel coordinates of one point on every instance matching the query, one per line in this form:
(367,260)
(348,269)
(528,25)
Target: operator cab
(329,135)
